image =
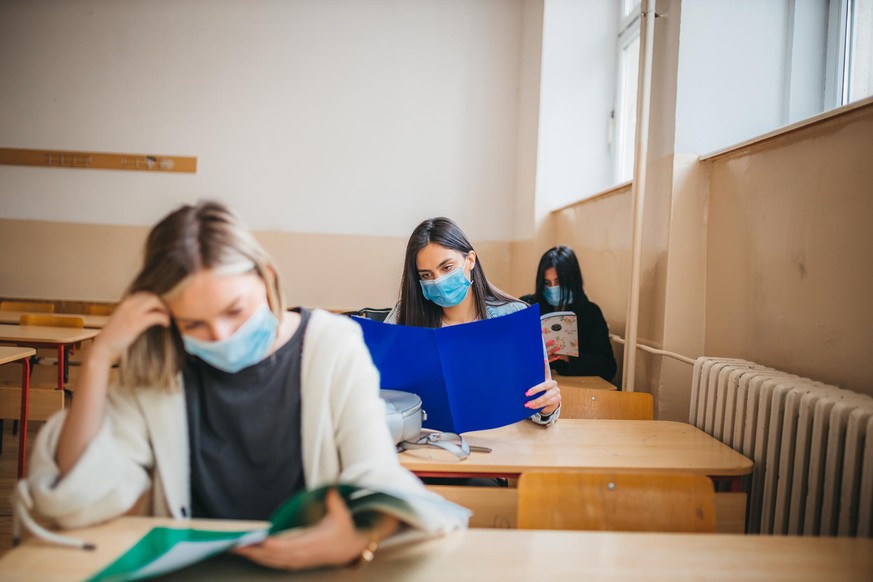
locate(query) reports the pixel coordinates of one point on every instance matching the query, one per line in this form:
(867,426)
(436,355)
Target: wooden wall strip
(97,160)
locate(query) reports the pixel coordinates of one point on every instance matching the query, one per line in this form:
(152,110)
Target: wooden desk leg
(61,359)
(22,434)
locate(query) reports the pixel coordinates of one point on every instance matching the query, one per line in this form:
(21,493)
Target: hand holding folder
(472,376)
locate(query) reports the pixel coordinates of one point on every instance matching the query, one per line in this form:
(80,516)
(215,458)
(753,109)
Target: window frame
(628,32)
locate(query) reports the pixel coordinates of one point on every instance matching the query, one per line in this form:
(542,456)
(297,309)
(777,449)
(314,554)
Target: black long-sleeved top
(595,350)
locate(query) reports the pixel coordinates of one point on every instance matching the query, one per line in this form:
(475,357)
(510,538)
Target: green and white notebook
(163,550)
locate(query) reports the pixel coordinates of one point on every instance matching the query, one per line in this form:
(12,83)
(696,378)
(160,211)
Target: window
(858,74)
(850,51)
(625,110)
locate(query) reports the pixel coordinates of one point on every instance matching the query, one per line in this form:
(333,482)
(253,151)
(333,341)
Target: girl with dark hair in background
(559,287)
(443,283)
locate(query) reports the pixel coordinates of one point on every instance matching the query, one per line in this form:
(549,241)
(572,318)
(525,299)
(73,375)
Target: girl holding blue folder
(227,405)
(443,283)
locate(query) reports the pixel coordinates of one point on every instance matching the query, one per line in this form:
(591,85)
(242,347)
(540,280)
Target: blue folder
(471,376)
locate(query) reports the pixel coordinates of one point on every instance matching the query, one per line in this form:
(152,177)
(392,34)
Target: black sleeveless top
(244,432)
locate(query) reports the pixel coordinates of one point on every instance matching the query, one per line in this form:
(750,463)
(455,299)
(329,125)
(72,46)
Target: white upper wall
(580,39)
(307,116)
(732,72)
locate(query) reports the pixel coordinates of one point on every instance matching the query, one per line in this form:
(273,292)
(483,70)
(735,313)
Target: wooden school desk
(10,354)
(37,336)
(481,554)
(643,445)
(657,445)
(91,321)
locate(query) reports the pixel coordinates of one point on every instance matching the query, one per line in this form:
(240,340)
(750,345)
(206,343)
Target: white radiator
(812,445)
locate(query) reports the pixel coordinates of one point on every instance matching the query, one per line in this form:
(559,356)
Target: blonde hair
(207,235)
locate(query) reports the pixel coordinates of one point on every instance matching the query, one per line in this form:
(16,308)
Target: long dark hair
(417,311)
(563,260)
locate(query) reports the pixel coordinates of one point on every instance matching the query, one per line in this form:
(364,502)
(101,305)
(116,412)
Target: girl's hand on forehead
(134,315)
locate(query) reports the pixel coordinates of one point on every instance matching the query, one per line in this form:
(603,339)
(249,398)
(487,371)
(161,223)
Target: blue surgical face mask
(448,290)
(245,347)
(552,295)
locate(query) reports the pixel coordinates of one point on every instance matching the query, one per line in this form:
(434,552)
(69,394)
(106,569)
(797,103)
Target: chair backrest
(52,320)
(27,306)
(616,501)
(374,313)
(96,309)
(579,402)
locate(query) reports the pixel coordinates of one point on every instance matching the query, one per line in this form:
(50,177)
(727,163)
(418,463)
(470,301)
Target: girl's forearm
(86,413)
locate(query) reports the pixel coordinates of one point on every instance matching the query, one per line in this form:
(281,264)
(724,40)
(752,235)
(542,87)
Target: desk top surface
(91,321)
(657,445)
(486,554)
(12,353)
(41,334)
(595,382)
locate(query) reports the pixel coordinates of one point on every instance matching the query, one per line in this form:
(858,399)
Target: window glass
(626,118)
(625,109)
(858,73)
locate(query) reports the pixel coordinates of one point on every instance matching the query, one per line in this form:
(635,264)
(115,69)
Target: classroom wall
(105,258)
(337,123)
(789,245)
(762,254)
(733,71)
(598,230)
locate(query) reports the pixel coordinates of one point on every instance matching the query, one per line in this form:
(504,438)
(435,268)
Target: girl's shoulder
(325,322)
(499,309)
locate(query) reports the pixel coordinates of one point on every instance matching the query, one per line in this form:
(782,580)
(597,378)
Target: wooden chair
(75,321)
(579,402)
(97,309)
(27,306)
(374,313)
(616,501)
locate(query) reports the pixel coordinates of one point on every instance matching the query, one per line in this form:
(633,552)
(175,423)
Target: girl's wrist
(383,529)
(99,356)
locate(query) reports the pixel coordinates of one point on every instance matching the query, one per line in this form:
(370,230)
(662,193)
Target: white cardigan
(143,443)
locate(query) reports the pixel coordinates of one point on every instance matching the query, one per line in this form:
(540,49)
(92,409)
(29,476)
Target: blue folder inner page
(471,376)
(488,367)
(408,360)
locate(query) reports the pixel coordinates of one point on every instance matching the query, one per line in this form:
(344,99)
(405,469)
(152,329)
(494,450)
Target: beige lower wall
(790,253)
(91,262)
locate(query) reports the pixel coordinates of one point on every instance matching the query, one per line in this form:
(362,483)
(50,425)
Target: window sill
(820,119)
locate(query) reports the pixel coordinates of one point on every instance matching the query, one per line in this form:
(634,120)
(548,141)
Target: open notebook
(561,328)
(163,550)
